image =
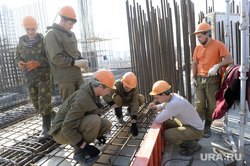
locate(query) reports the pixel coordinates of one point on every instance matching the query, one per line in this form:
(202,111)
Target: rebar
(155,50)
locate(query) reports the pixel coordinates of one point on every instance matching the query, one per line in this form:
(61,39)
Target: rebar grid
(19,144)
(22,111)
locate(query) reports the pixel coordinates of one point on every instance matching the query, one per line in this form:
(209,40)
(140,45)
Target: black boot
(118,113)
(186,144)
(46,127)
(207,130)
(190,148)
(81,156)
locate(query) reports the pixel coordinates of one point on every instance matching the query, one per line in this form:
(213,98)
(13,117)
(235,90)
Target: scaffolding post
(227,40)
(243,70)
(227,32)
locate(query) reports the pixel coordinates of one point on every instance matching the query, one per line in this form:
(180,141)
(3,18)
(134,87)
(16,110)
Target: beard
(203,43)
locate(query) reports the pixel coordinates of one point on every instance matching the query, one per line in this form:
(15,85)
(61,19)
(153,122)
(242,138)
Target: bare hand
(152,106)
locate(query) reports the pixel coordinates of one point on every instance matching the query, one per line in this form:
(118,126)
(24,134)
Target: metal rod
(243,77)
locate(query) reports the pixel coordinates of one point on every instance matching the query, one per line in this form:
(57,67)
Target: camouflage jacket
(35,53)
(132,96)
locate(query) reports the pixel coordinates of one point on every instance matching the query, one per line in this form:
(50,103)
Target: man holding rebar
(183,124)
(126,94)
(205,77)
(78,120)
(65,59)
(32,59)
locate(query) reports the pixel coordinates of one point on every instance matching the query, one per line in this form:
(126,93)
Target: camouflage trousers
(40,93)
(119,101)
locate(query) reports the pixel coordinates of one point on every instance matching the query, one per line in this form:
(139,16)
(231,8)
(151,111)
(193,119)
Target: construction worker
(65,59)
(32,59)
(126,94)
(183,124)
(205,77)
(78,121)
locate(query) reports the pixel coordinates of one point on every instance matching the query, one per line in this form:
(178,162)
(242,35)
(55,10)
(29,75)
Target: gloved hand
(213,70)
(193,82)
(101,140)
(91,150)
(81,63)
(118,112)
(32,65)
(21,64)
(134,129)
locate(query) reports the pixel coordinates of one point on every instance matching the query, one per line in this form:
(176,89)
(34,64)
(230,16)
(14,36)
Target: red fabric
(221,104)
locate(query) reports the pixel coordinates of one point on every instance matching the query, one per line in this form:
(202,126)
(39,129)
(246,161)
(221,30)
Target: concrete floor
(209,156)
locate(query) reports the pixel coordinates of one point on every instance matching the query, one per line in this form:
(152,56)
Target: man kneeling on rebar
(126,94)
(183,124)
(78,120)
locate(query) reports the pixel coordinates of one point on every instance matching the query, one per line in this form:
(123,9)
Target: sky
(110,15)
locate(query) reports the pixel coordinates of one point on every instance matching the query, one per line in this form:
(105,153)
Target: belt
(207,76)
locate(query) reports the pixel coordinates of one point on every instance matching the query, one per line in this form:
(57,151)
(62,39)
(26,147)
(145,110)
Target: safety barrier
(153,145)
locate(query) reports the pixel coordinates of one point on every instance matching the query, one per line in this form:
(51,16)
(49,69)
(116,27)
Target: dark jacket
(61,48)
(81,103)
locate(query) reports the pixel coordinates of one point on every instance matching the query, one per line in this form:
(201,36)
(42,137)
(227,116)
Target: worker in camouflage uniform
(65,59)
(78,120)
(32,59)
(126,94)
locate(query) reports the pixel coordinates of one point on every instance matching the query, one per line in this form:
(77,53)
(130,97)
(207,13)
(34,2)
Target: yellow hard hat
(67,11)
(160,87)
(29,22)
(129,79)
(203,27)
(105,77)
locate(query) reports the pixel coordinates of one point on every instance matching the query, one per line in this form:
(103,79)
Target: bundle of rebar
(155,44)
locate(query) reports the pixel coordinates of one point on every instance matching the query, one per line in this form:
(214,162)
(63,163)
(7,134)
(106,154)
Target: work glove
(81,63)
(91,150)
(118,112)
(21,64)
(134,129)
(213,70)
(193,82)
(32,65)
(101,140)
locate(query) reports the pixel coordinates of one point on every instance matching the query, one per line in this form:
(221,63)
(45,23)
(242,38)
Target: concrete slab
(211,147)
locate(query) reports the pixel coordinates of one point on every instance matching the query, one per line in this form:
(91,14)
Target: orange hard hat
(29,22)
(67,11)
(129,79)
(203,27)
(105,77)
(160,87)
